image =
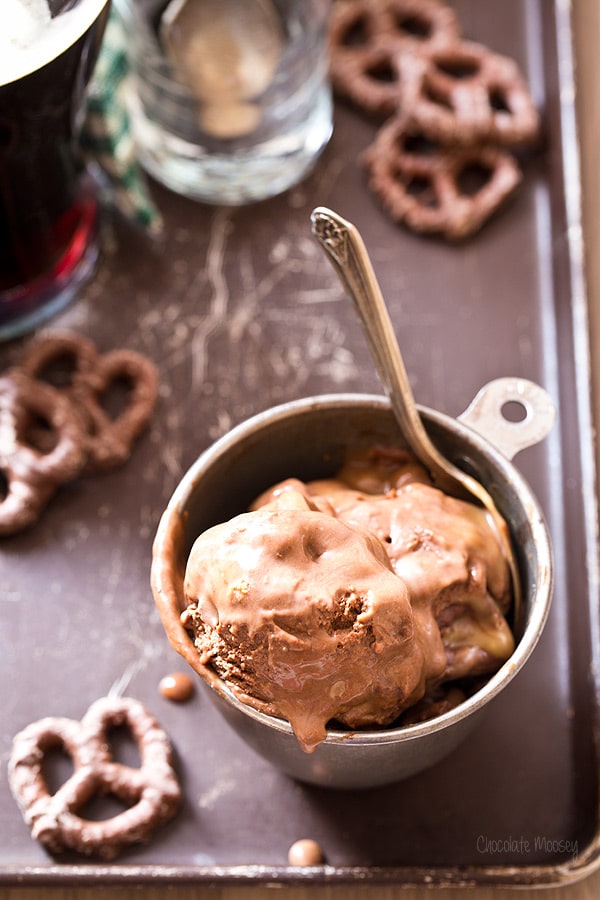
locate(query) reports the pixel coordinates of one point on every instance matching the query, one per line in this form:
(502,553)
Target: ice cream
(352,600)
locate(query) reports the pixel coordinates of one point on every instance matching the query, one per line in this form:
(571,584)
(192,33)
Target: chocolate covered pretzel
(110,440)
(150,792)
(61,359)
(366,38)
(463,93)
(31,475)
(89,378)
(53,423)
(405,60)
(436,188)
(70,356)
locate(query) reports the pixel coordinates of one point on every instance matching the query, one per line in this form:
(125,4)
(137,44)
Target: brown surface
(431,390)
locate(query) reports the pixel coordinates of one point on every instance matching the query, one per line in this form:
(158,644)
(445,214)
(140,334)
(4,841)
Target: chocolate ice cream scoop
(303,616)
(350,598)
(445,550)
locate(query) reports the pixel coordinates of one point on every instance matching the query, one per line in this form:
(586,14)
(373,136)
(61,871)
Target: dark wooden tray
(240,310)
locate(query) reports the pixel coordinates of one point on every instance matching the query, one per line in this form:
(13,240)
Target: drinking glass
(49,242)
(230,99)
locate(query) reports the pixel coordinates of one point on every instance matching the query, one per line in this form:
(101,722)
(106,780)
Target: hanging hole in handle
(511,413)
(514,411)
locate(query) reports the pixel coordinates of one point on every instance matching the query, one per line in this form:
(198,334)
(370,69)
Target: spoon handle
(343,244)
(346,250)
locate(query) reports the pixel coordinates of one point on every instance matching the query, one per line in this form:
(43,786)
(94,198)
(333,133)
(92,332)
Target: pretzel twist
(90,375)
(32,476)
(76,354)
(364,41)
(110,440)
(419,182)
(464,93)
(406,60)
(151,791)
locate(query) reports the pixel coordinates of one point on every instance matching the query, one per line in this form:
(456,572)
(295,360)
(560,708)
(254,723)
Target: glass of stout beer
(48,209)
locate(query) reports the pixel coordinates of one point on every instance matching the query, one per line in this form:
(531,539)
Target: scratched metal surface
(240,310)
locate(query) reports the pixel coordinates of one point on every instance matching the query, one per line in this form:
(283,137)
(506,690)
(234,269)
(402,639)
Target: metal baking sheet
(240,310)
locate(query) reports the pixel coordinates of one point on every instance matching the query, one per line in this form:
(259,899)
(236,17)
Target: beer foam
(30,38)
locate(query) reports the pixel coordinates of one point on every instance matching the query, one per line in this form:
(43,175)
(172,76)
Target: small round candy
(178,686)
(305,852)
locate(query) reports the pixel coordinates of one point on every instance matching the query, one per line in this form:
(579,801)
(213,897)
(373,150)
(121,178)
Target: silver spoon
(345,248)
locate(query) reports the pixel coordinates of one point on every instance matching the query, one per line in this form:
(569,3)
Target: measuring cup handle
(489,414)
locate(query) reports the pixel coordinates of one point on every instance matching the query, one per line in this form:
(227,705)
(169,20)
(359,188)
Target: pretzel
(82,436)
(369,78)
(420,182)
(61,359)
(76,352)
(31,475)
(151,792)
(110,440)
(464,93)
(365,37)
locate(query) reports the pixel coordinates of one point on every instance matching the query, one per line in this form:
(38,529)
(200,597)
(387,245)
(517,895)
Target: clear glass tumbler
(230,100)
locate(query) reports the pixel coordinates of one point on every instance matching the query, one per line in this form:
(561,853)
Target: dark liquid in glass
(47,215)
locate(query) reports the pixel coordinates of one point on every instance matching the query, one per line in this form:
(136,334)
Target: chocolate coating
(150,793)
(178,687)
(305,852)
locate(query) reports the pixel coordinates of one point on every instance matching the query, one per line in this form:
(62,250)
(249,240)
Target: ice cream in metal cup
(309,439)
